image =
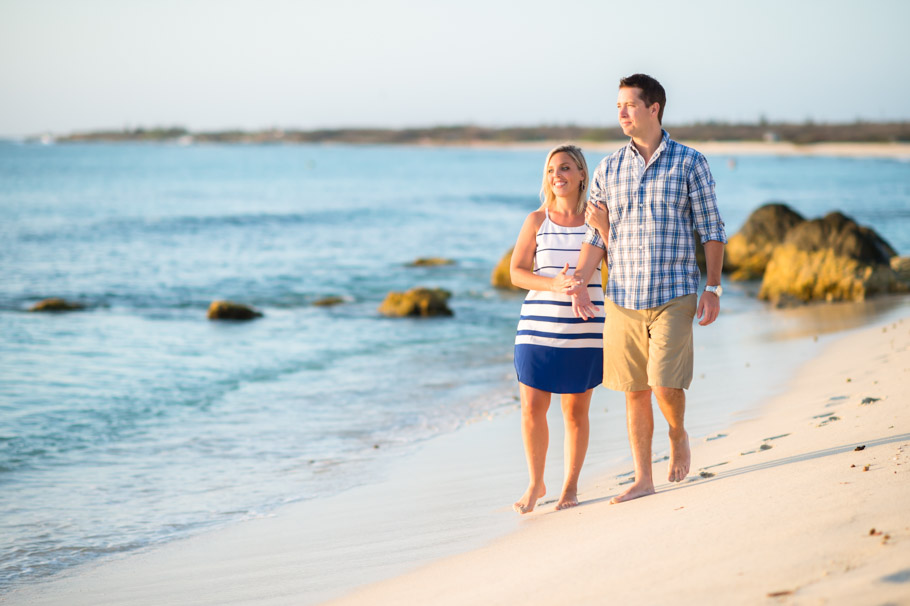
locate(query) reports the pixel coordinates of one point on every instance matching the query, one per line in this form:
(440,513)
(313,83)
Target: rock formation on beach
(830,259)
(229,310)
(56,304)
(502,275)
(423,302)
(748,251)
(798,261)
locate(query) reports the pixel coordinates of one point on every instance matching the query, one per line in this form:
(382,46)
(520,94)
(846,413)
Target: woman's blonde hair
(547,197)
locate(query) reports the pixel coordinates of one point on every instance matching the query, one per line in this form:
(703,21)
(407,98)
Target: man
(645,200)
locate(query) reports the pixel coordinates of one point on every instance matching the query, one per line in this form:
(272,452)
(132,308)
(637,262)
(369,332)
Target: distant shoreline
(735,148)
(892,150)
(807,133)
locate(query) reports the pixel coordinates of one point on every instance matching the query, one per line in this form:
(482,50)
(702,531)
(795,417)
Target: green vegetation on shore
(805,133)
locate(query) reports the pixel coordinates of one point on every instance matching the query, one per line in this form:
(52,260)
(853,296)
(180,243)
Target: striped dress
(555,351)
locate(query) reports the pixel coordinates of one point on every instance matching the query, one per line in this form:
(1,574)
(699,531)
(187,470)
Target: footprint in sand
(828,420)
(765,445)
(715,437)
(661,459)
(627,481)
(869,400)
(760,448)
(823,415)
(783,435)
(705,474)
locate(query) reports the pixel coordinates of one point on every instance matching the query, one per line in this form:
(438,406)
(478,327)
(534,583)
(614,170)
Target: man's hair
(651,91)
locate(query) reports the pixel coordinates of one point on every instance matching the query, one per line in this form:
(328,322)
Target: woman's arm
(522,266)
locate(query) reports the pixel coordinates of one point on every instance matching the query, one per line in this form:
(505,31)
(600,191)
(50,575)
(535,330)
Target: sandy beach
(803,500)
(900,151)
(806,504)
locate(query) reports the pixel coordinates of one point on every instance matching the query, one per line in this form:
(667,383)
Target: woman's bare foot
(680,458)
(636,490)
(528,500)
(569,498)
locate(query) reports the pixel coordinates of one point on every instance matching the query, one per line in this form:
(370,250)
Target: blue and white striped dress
(554,350)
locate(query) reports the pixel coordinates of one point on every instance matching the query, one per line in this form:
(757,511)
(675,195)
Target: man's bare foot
(680,458)
(634,491)
(528,500)
(569,498)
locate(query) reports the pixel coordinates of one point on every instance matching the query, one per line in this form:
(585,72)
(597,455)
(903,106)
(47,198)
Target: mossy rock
(229,310)
(502,274)
(56,304)
(431,262)
(328,301)
(423,302)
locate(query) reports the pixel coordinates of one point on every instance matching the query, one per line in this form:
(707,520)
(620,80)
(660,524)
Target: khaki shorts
(649,347)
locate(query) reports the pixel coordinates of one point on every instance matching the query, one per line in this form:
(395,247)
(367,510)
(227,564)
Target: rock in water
(228,310)
(56,304)
(830,259)
(748,251)
(431,262)
(502,275)
(423,302)
(328,301)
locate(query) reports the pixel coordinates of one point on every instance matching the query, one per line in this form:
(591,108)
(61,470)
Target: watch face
(717,290)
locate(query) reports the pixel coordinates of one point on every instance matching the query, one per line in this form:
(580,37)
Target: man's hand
(582,305)
(709,306)
(563,283)
(596,216)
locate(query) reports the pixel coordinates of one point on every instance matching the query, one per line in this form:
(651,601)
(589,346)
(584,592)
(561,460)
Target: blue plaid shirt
(653,210)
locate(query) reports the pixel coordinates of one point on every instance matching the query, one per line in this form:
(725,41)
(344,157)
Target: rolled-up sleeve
(708,222)
(597,194)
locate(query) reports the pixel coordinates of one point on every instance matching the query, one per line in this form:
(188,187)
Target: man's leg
(536,436)
(640,421)
(672,402)
(670,367)
(575,417)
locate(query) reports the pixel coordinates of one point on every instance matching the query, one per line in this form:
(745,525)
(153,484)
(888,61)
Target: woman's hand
(598,217)
(563,283)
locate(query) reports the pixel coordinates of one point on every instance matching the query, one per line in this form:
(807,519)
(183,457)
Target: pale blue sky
(68,65)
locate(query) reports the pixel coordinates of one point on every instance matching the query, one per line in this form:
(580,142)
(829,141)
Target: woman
(555,352)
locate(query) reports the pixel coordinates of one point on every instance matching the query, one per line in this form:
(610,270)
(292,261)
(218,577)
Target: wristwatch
(717,290)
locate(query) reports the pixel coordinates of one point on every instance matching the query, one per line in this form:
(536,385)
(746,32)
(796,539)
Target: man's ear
(654,110)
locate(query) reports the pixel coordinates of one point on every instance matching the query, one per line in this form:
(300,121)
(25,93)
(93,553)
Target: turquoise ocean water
(138,421)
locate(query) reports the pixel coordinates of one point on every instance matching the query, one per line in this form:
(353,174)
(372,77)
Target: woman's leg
(536,436)
(575,416)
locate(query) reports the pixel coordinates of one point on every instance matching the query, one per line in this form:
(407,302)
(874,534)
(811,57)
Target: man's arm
(710,228)
(588,260)
(709,303)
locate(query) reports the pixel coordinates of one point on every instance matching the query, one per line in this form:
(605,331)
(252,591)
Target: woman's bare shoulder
(536,218)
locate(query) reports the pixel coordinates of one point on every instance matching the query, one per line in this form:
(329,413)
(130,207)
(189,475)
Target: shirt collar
(664,141)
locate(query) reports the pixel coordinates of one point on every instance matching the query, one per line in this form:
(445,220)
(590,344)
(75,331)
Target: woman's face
(564,176)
